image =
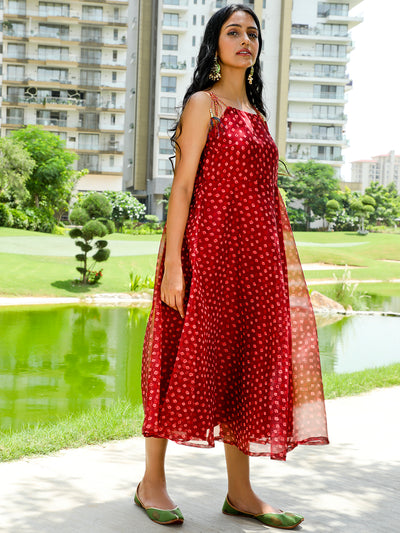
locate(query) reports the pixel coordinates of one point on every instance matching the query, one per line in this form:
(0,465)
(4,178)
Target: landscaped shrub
(20,220)
(40,220)
(6,218)
(97,205)
(79,216)
(109,224)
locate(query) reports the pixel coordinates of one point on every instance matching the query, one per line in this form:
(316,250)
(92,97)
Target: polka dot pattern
(243,365)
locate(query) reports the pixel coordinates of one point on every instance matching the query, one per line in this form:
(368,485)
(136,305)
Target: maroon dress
(243,364)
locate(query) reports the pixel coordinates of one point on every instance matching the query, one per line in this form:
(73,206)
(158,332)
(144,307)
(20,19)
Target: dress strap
(215,109)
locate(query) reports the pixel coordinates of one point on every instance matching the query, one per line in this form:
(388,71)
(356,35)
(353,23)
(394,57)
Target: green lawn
(49,275)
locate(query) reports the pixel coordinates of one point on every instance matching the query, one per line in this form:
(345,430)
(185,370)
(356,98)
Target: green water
(56,360)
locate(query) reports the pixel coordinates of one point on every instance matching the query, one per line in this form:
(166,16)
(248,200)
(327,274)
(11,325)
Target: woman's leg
(153,487)
(240,493)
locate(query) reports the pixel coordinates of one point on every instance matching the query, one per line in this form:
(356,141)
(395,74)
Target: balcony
(175,5)
(312,55)
(335,140)
(177,68)
(316,119)
(340,17)
(297,75)
(306,33)
(179,26)
(15,120)
(325,97)
(62,123)
(306,156)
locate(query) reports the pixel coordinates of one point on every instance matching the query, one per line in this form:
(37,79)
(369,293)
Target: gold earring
(215,73)
(250,76)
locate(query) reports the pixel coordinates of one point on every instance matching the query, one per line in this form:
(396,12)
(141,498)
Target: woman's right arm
(194,130)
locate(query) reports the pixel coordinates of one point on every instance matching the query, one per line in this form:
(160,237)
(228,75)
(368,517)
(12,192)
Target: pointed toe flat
(160,516)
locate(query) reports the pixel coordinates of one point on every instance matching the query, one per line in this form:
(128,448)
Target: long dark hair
(205,62)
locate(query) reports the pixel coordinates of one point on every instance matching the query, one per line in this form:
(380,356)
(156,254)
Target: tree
(332,209)
(313,184)
(363,208)
(51,182)
(90,230)
(16,166)
(387,203)
(124,207)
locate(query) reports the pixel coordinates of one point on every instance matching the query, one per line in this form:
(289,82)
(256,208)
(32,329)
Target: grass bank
(121,420)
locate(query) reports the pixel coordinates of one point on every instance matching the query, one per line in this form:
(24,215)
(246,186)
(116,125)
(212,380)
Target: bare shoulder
(198,104)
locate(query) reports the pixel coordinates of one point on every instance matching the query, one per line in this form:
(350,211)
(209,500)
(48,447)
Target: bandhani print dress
(242,366)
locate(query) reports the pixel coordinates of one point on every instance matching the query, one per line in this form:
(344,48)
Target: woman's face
(238,41)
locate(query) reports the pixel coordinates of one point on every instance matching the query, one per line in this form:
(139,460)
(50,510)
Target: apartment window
(17,29)
(337,30)
(111,160)
(330,71)
(194,40)
(54,53)
(51,9)
(193,63)
(91,55)
(166,124)
(88,141)
(115,35)
(113,99)
(167,104)
(328,153)
(263,24)
(203,2)
(165,167)
(203,20)
(89,161)
(92,13)
(327,132)
(327,111)
(53,31)
(89,121)
(15,115)
(331,50)
(328,91)
(52,74)
(112,118)
(15,72)
(116,14)
(114,76)
(16,51)
(264,4)
(324,9)
(194,20)
(90,77)
(170,41)
(165,147)
(115,55)
(168,84)
(17,7)
(169,61)
(51,118)
(171,19)
(15,94)
(90,33)
(194,2)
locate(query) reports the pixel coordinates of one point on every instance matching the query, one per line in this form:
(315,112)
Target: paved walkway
(351,486)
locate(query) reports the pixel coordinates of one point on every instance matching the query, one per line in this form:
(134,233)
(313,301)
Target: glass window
(48,9)
(168,84)
(169,61)
(88,141)
(91,55)
(90,33)
(115,55)
(89,161)
(114,77)
(194,40)
(17,29)
(90,77)
(17,7)
(92,13)
(15,72)
(16,51)
(194,20)
(166,124)
(89,121)
(54,53)
(112,119)
(167,104)
(15,94)
(170,41)
(165,167)
(15,115)
(165,147)
(54,31)
(171,19)
(52,74)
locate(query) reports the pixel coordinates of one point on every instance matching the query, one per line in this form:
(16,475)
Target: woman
(231,350)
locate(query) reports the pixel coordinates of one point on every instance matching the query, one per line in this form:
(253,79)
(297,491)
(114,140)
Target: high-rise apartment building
(384,169)
(306,45)
(320,49)
(64,68)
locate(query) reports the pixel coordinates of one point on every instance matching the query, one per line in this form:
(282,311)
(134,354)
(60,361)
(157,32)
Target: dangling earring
(215,73)
(250,76)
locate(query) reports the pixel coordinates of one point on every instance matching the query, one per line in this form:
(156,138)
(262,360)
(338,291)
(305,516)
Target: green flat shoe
(280,520)
(160,516)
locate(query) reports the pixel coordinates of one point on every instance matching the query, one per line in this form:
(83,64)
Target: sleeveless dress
(242,366)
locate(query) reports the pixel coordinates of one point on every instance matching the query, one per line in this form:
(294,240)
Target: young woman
(231,349)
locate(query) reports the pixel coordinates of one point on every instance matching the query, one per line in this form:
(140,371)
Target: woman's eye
(233,32)
(253,35)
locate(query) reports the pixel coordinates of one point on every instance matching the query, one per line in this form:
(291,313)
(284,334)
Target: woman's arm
(194,129)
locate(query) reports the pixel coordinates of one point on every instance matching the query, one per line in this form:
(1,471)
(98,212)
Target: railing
(316,31)
(305,157)
(178,3)
(51,122)
(317,137)
(310,96)
(100,40)
(14,120)
(175,24)
(177,66)
(73,14)
(105,147)
(59,100)
(318,74)
(313,53)
(340,116)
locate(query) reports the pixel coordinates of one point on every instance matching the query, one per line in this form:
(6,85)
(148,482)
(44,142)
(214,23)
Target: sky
(373,107)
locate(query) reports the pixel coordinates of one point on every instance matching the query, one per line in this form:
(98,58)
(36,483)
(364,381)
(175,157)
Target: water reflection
(57,360)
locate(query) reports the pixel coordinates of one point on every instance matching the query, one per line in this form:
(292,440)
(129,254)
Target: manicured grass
(121,420)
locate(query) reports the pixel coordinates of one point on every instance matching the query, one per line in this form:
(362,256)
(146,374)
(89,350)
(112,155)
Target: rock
(324,304)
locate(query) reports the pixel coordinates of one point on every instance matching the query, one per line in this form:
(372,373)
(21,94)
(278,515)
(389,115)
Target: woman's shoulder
(201,99)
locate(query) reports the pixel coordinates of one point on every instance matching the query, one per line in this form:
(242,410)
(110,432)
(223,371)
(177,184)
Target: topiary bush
(92,229)
(79,216)
(97,205)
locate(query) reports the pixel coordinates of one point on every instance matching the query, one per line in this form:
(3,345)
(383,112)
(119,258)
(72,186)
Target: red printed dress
(243,365)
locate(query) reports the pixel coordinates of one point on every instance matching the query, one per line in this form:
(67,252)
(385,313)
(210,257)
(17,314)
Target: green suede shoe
(280,520)
(161,516)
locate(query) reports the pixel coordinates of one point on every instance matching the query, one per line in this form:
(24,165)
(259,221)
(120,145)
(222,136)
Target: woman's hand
(173,287)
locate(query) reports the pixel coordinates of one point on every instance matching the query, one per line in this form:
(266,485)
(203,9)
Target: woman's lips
(244,53)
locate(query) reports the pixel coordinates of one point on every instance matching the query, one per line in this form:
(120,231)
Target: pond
(56,360)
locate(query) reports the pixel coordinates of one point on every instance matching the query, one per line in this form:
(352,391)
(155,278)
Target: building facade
(64,68)
(384,169)
(321,43)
